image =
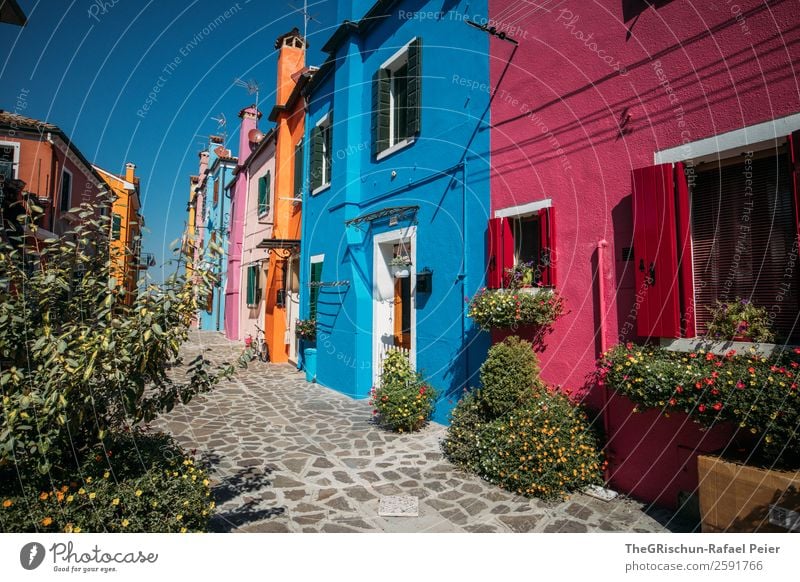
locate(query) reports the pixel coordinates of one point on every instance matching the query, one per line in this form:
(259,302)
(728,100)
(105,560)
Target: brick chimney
(130,172)
(203,163)
(291,49)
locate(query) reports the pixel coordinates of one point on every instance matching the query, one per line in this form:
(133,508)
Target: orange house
(126,227)
(282,284)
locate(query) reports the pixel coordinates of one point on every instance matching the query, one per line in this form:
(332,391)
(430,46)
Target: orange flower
(7,503)
(47,521)
(43,496)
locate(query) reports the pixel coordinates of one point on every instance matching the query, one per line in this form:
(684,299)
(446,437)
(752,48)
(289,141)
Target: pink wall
(557,119)
(256,229)
(249,117)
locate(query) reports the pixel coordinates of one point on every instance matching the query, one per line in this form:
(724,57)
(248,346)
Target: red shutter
(655,248)
(794,154)
(501,252)
(686,293)
(547,242)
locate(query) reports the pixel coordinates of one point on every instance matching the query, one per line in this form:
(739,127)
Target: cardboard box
(740,498)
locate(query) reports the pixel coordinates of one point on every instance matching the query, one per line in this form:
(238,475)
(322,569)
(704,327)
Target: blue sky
(90,67)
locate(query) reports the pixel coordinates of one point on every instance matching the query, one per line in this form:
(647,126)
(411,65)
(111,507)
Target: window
(316,279)
(716,231)
(66,190)
(264,186)
(9,160)
(116,226)
(518,240)
(216,193)
(397,90)
(321,154)
(298,170)
(253,285)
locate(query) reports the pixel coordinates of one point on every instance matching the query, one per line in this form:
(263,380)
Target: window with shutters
(397,92)
(717,230)
(321,154)
(253,285)
(9,160)
(264,188)
(116,226)
(216,193)
(522,240)
(66,190)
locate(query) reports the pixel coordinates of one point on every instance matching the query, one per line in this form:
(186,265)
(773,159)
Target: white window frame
(393,63)
(326,122)
(64,170)
(15,161)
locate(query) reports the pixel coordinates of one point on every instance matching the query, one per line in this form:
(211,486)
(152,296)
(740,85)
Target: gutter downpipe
(463,275)
(602,245)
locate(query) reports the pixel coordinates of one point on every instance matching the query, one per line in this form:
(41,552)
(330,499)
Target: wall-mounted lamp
(425,281)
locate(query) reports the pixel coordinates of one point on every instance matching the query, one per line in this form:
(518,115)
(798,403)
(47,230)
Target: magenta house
(650,150)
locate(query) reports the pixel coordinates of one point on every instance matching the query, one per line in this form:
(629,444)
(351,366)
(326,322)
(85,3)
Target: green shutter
(116,227)
(317,179)
(298,170)
(268,197)
(316,277)
(380,111)
(262,195)
(252,278)
(328,137)
(414,87)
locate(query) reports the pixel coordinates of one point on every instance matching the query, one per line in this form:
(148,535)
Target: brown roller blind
(743,239)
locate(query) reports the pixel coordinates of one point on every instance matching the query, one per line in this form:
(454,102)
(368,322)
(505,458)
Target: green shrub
(512,308)
(509,375)
(404,401)
(133,483)
(544,449)
(758,394)
(466,423)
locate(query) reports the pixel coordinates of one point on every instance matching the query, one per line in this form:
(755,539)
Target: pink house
(644,151)
(249,117)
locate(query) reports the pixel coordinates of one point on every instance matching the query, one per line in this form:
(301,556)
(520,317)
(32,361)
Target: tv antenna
(251,85)
(307,16)
(221,121)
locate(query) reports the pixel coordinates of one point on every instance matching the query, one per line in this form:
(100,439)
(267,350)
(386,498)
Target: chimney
(249,116)
(203,163)
(130,171)
(291,58)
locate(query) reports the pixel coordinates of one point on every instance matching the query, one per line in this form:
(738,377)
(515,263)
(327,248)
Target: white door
(292,307)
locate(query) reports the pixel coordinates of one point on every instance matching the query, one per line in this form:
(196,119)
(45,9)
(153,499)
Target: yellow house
(126,228)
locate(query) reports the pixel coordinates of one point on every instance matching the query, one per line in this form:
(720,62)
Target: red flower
(629,345)
(698,385)
(709,357)
(715,392)
(751,369)
(717,406)
(679,389)
(672,402)
(730,354)
(797,350)
(793,387)
(701,408)
(740,385)
(692,355)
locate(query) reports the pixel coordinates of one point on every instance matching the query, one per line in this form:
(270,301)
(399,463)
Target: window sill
(395,148)
(321,189)
(720,347)
(263,216)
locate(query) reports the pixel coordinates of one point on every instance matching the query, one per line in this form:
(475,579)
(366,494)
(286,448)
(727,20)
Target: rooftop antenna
(222,126)
(252,88)
(306,16)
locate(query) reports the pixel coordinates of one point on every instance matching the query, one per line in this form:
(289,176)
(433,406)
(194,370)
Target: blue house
(215,220)
(396,194)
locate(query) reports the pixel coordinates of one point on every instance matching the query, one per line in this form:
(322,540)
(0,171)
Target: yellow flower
(125,523)
(47,521)
(179,517)
(7,503)
(76,530)
(205,482)
(183,530)
(92,495)
(212,505)
(88,479)
(115,501)
(138,493)
(82,491)
(70,498)
(68,528)
(106,475)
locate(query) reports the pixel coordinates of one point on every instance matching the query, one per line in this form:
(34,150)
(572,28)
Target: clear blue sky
(89,65)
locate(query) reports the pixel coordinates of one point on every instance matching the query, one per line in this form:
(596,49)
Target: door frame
(383,293)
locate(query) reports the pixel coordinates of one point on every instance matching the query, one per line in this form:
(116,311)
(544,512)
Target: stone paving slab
(289,456)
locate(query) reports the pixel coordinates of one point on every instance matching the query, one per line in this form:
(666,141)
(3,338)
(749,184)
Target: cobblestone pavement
(289,456)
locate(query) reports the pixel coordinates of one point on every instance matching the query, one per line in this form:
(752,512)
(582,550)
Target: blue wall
(445,172)
(218,220)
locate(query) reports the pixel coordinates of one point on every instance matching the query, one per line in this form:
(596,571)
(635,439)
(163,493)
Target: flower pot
(742,498)
(400,271)
(310,364)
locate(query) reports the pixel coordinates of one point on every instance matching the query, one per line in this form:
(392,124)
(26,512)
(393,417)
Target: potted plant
(306,331)
(399,266)
(739,320)
(522,275)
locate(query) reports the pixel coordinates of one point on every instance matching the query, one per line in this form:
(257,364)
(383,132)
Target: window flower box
(514,308)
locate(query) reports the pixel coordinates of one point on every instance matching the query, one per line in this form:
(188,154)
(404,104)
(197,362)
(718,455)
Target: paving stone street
(289,456)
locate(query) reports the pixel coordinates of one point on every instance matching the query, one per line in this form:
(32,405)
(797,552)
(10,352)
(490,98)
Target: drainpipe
(464,231)
(602,245)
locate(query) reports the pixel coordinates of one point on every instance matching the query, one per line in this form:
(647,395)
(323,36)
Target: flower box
(742,498)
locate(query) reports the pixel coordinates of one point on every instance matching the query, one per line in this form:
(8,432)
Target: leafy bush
(758,394)
(403,401)
(516,433)
(80,359)
(134,483)
(508,375)
(306,329)
(512,308)
(740,319)
(543,449)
